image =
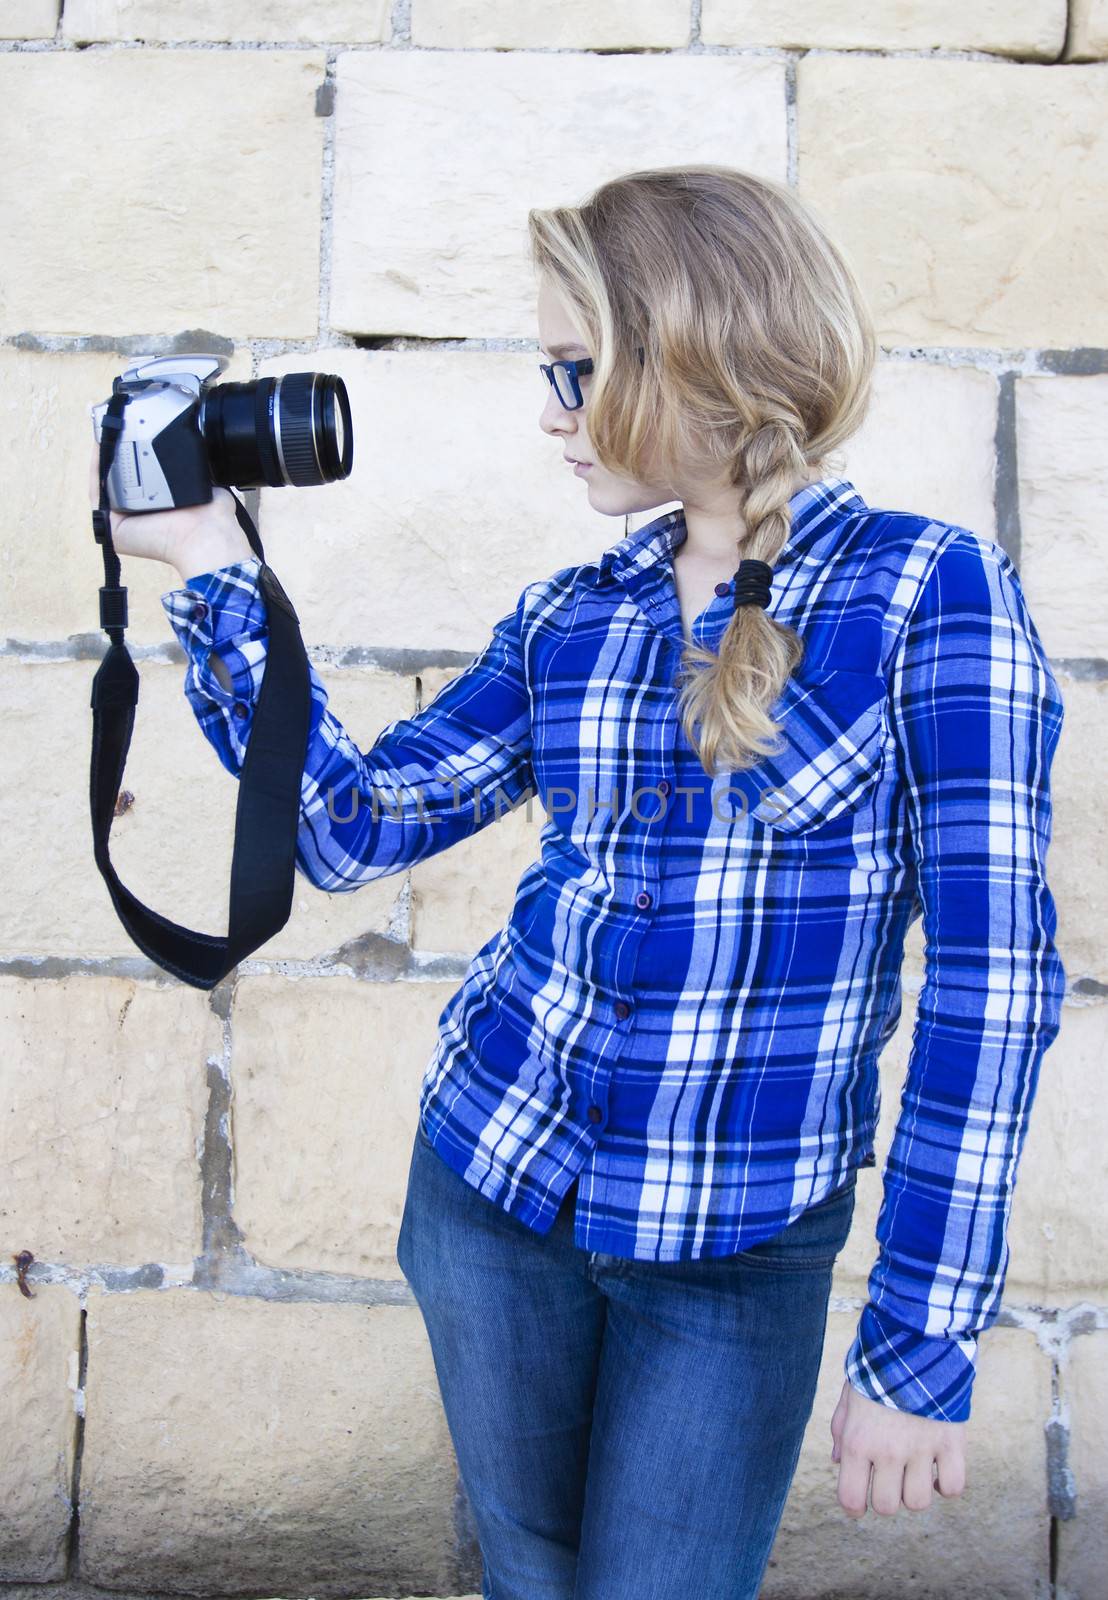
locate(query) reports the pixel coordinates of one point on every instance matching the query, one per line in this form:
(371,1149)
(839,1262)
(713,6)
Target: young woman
(769,729)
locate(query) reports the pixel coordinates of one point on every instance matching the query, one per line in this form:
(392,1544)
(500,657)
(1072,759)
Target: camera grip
(180,452)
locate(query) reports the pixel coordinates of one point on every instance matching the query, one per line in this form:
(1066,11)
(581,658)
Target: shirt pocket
(832,750)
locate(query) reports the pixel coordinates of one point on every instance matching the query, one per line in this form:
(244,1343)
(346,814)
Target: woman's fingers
(160,535)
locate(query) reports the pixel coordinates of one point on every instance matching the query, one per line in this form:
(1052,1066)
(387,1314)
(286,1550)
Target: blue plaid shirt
(687,1004)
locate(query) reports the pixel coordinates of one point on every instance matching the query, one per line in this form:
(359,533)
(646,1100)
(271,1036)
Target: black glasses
(564,378)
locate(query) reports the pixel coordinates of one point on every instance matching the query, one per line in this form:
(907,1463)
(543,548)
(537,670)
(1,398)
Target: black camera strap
(267,818)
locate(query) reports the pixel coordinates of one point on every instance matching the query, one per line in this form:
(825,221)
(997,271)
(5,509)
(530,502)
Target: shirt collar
(815,509)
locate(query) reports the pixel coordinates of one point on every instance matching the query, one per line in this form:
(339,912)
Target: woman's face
(608,492)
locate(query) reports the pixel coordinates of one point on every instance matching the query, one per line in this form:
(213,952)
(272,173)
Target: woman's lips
(581,467)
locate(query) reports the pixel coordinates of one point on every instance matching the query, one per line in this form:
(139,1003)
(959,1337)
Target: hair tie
(752,582)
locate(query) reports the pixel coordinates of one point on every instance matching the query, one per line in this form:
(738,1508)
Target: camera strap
(267,817)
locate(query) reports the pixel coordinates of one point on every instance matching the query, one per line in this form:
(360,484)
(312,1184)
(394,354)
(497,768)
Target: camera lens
(293,430)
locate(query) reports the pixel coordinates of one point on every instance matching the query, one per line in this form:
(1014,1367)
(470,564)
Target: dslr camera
(183,434)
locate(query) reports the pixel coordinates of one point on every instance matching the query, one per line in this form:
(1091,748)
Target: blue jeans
(625,1430)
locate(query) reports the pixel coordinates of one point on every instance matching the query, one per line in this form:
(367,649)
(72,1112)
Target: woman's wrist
(210,547)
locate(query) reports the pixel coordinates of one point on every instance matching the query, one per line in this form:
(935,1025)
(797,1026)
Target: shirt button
(664,787)
(199,611)
(239,710)
(595,1114)
(622,1009)
(642,900)
(723,588)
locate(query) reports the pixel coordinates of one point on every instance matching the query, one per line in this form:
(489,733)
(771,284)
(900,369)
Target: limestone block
(1077,863)
(529,24)
(464,895)
(965,192)
(1057,1232)
(927,444)
(199,209)
(172,842)
(993,1539)
(326,1076)
(234,1445)
(914,960)
(1025,28)
(1063,481)
(1083,1538)
(53,567)
(267,21)
(433,240)
(40,1342)
(457,501)
(29,19)
(1088,35)
(105,1091)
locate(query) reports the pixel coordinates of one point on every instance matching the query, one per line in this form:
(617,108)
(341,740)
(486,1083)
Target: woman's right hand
(192,538)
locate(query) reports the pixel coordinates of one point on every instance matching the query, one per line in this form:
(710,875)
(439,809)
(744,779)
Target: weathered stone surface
(267,21)
(464,895)
(965,192)
(456,260)
(104,1094)
(1083,1538)
(1088,34)
(235,1446)
(993,1539)
(29,19)
(1025,28)
(326,1076)
(39,1356)
(172,843)
(1057,1233)
(457,501)
(527,24)
(1063,482)
(926,445)
(217,225)
(53,568)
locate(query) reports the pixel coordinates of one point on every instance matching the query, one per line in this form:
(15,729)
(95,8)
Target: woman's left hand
(902,1448)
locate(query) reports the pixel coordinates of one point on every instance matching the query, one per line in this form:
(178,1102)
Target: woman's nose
(554,415)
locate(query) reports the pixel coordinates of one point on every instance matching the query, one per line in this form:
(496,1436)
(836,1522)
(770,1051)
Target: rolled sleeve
(219,619)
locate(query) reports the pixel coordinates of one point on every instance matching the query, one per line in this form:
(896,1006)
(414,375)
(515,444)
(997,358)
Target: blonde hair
(759,353)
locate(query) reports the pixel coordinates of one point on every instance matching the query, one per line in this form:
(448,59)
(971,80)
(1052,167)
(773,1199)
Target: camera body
(183,433)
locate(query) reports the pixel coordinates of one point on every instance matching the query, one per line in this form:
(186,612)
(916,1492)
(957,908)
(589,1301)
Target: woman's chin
(609,499)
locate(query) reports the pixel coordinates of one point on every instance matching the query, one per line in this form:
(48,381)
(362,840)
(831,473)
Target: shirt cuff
(220,617)
(911,1371)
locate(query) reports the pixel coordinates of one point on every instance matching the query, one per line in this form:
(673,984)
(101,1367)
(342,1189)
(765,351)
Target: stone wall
(219,1381)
